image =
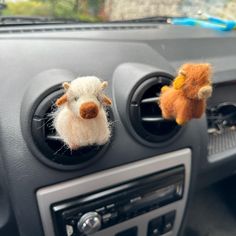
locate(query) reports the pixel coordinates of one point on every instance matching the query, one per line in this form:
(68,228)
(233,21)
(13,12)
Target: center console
(147,197)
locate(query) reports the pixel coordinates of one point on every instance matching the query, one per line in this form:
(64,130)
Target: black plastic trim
(136,116)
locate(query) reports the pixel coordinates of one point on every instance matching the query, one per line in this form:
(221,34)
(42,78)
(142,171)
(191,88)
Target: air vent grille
(145,114)
(51,145)
(74,27)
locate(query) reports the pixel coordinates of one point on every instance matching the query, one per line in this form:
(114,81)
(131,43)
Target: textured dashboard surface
(97,52)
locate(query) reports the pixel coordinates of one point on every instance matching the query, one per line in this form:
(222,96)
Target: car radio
(96,211)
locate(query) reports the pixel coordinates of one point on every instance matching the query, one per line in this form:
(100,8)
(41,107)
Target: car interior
(152,176)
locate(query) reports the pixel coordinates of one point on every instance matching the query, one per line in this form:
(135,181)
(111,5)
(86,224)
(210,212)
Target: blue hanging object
(210,22)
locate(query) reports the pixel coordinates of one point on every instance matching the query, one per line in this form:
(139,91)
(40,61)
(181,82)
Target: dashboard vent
(145,114)
(74,27)
(54,151)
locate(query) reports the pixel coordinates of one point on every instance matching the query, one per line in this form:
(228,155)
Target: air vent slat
(152,119)
(146,115)
(53,137)
(149,100)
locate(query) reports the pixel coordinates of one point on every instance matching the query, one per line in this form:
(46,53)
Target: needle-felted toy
(81,119)
(186,98)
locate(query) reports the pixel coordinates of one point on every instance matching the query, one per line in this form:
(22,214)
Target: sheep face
(84,97)
(195,81)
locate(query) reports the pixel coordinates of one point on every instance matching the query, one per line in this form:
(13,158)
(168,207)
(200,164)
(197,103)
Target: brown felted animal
(186,98)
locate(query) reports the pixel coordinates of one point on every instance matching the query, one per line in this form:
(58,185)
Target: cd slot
(157,197)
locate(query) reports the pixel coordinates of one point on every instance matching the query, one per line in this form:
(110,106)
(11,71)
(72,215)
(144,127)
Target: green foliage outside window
(87,10)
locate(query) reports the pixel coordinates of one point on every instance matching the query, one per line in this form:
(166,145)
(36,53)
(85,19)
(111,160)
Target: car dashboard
(40,181)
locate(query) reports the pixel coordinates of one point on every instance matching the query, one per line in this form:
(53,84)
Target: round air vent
(145,114)
(55,153)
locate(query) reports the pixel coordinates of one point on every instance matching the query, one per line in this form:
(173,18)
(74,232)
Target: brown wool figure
(80,119)
(186,98)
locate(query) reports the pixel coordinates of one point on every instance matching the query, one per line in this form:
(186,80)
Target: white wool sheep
(80,119)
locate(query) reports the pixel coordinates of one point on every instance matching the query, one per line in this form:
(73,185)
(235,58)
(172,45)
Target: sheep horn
(106,100)
(60,101)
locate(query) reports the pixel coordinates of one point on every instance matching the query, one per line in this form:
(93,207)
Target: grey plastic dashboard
(98,50)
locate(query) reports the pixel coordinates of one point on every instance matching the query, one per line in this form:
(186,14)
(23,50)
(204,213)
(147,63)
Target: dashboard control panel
(97,211)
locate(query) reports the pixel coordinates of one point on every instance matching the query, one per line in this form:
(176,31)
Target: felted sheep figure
(81,119)
(186,98)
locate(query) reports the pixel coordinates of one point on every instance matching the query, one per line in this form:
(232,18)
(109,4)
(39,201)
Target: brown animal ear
(60,101)
(104,85)
(106,100)
(208,69)
(66,85)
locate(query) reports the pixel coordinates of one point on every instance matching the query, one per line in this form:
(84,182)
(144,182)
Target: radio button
(69,230)
(155,227)
(89,223)
(101,210)
(110,206)
(155,232)
(106,217)
(167,228)
(169,219)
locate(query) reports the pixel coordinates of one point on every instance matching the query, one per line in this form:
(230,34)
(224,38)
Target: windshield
(115,10)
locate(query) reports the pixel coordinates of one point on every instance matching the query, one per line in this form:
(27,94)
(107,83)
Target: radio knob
(89,223)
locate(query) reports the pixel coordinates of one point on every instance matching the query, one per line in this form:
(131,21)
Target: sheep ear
(66,85)
(179,81)
(104,85)
(60,101)
(106,100)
